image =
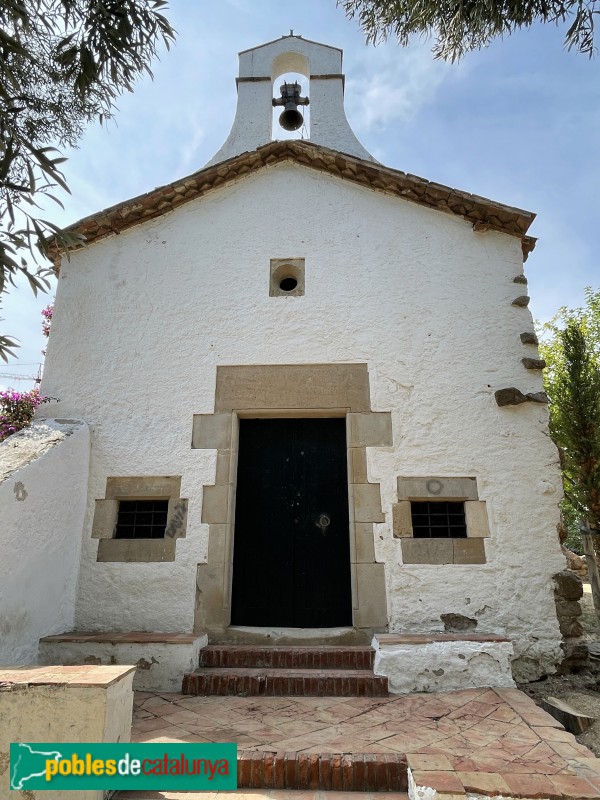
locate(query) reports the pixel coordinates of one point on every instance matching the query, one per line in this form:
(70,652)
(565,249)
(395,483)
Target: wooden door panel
(291,543)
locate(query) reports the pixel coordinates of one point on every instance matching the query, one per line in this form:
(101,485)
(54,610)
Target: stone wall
(567,592)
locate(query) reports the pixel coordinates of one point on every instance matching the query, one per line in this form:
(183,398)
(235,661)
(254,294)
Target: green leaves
(572,382)
(63,63)
(459,26)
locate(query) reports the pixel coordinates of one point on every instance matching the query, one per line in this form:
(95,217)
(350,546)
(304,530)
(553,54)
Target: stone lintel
(437,488)
(293,386)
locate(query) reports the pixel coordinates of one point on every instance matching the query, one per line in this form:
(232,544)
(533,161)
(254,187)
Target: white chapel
(300,402)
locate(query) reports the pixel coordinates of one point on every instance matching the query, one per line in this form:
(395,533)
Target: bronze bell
(290,119)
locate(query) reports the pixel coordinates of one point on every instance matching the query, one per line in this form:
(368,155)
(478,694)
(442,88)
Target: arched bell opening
(290,74)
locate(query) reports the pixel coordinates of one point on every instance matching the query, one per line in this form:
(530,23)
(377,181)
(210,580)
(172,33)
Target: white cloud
(390,84)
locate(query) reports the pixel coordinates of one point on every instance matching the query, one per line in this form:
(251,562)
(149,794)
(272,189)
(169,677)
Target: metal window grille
(141,519)
(438,520)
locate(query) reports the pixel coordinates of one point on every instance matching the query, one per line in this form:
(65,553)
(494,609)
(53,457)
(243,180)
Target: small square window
(141,519)
(438,519)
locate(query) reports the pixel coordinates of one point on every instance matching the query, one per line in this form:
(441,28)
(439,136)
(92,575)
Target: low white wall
(43,491)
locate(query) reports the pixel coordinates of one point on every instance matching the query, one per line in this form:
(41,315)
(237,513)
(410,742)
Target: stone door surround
(298,390)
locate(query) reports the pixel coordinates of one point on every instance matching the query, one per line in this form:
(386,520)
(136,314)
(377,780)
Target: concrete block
(477,519)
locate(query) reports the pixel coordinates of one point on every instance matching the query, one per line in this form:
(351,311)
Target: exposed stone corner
(568,589)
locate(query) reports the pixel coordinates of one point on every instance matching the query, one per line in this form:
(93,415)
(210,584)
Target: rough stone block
(469,551)
(215,500)
(367,503)
(522,301)
(427,551)
(533,363)
(509,396)
(567,585)
(439,488)
(370,430)
(402,519)
(529,337)
(212,431)
(476,518)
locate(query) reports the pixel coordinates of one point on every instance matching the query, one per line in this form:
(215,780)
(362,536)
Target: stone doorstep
(277,683)
(129,637)
(350,772)
(287,657)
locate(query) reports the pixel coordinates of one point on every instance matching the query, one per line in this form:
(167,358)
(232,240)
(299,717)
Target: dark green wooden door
(291,563)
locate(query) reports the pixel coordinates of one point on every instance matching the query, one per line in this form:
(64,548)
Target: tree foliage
(572,381)
(458,26)
(63,63)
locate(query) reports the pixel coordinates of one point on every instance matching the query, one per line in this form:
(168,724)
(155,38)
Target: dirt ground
(582,690)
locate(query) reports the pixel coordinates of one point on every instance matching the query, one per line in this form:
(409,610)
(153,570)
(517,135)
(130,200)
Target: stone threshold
(127,637)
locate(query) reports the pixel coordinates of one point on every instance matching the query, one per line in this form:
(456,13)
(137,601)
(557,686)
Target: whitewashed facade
(169,328)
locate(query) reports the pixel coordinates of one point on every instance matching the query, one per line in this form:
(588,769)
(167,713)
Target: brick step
(330,657)
(348,772)
(281,682)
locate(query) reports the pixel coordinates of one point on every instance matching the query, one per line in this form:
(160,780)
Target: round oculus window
(288,284)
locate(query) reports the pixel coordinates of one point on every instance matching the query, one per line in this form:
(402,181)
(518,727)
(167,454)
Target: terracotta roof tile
(485,214)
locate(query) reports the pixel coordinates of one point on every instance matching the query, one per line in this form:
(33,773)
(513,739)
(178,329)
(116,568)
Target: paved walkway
(485,741)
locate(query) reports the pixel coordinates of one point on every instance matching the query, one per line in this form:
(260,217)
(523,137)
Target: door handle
(323,522)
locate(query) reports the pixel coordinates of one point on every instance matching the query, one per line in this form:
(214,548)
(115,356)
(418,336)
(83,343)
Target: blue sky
(518,122)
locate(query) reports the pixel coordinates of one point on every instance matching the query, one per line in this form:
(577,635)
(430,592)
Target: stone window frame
(274,391)
(139,488)
(469,550)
